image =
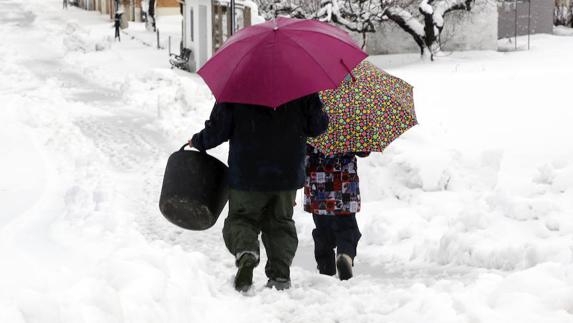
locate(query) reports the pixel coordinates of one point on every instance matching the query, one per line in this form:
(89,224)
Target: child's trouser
(334,231)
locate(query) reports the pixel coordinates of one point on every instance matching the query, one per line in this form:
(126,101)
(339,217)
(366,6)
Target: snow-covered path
(467,218)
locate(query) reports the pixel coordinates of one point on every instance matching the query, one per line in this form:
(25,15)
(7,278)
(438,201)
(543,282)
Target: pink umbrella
(280,60)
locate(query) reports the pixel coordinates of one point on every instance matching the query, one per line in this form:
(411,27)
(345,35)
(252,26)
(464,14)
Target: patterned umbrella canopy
(367,112)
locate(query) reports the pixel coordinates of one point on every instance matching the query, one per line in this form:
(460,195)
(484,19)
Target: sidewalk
(167,26)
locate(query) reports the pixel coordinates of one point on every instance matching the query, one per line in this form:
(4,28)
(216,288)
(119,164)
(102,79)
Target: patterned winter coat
(331,185)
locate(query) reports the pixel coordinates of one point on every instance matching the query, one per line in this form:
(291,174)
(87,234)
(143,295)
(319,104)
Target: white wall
(472,30)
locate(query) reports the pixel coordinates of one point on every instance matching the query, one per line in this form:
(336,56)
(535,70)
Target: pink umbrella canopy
(280,60)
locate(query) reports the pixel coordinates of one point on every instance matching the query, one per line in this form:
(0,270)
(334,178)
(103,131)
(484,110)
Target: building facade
(131,8)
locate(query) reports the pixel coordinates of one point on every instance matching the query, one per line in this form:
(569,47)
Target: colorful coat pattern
(331,185)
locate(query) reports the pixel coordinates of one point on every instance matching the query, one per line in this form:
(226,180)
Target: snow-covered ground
(468,217)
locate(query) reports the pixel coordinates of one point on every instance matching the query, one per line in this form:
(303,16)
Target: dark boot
(244,276)
(346,234)
(344,266)
(324,244)
(278,283)
(327,266)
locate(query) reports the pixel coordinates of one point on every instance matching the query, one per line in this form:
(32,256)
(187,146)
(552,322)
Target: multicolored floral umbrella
(367,112)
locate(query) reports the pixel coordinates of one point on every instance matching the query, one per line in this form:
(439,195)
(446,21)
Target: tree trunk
(434,13)
(410,25)
(150,23)
(151,9)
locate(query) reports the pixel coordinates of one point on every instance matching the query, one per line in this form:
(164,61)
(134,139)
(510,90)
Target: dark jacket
(332,184)
(266,146)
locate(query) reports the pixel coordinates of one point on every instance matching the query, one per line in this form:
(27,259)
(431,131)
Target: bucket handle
(187,144)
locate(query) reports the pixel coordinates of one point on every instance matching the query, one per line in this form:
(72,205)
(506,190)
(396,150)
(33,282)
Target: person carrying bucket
(265,80)
(266,167)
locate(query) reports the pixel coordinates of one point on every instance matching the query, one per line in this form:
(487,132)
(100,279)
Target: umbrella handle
(347,69)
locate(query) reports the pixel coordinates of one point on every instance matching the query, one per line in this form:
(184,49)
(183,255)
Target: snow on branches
(433,13)
(423,21)
(274,8)
(359,16)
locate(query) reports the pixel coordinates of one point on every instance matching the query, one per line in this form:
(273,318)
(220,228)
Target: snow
(255,17)
(168,26)
(563,31)
(409,20)
(466,217)
(425,7)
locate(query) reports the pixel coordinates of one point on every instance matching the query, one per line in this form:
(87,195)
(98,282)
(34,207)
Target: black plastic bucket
(195,189)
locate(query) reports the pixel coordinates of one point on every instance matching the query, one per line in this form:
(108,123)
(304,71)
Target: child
(332,195)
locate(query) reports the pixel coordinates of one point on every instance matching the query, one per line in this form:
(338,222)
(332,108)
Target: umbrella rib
(328,35)
(313,58)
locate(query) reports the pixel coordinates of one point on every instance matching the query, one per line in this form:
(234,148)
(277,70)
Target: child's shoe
(344,266)
(326,266)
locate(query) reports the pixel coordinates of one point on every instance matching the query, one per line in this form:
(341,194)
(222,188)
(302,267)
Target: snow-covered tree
(148,7)
(421,19)
(273,8)
(563,13)
(434,12)
(360,16)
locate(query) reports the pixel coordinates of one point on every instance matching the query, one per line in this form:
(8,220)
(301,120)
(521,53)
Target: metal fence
(519,18)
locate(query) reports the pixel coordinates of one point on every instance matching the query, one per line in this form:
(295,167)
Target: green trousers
(251,213)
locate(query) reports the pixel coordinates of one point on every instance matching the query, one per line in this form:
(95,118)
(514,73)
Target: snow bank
(80,39)
(563,31)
